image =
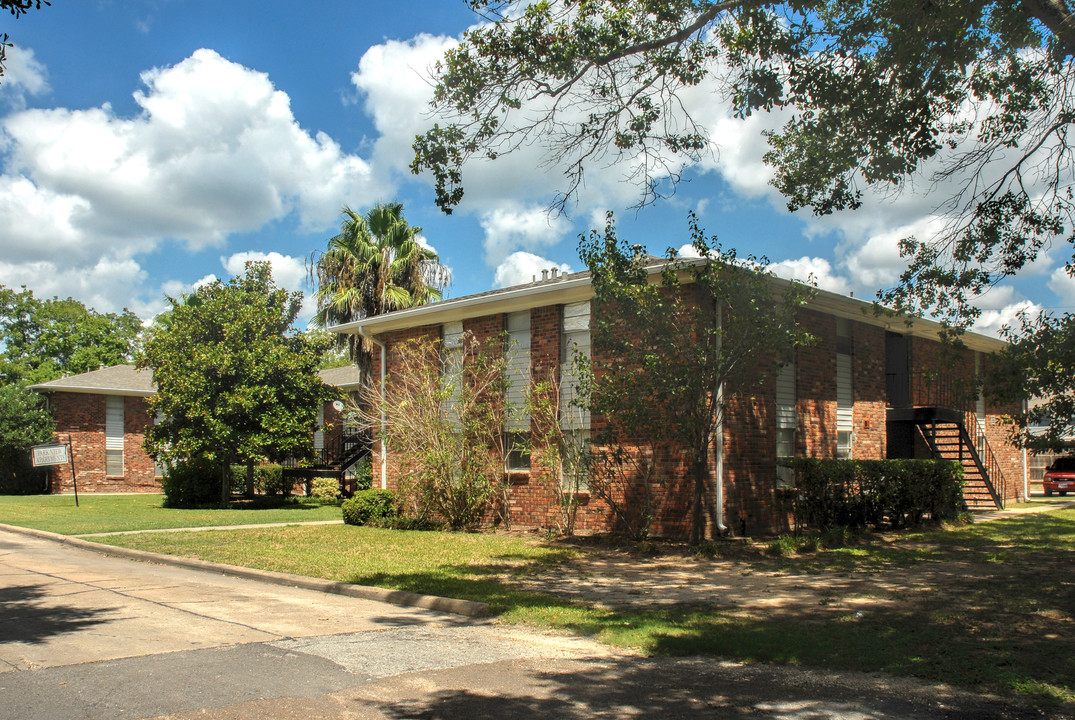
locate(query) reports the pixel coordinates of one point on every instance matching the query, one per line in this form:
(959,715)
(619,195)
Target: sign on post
(50,455)
(55,454)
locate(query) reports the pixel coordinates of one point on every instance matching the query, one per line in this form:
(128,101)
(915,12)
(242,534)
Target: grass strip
(119,513)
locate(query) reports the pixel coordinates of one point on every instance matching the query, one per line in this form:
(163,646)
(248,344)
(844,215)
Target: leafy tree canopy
(41,340)
(234,381)
(714,325)
(16,8)
(24,422)
(971,95)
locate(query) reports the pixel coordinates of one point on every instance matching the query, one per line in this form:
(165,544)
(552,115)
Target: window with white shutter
(517,420)
(114,436)
(845,401)
(574,420)
(787,419)
(452,372)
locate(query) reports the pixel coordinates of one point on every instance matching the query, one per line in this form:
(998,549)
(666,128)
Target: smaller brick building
(873,387)
(104,415)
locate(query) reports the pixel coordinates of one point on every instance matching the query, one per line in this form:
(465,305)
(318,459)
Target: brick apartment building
(104,415)
(873,387)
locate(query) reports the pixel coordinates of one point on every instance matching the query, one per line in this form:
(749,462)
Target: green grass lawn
(117,513)
(998,618)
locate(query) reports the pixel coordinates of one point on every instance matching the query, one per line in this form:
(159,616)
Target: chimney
(544,275)
(554,271)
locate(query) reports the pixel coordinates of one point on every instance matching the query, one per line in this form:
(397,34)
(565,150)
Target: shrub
(363,479)
(861,493)
(368,505)
(406,522)
(325,488)
(190,483)
(269,479)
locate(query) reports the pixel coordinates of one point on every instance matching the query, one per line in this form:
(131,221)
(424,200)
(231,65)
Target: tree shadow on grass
(25,618)
(1001,626)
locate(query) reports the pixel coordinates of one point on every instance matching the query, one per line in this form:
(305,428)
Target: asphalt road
(87,636)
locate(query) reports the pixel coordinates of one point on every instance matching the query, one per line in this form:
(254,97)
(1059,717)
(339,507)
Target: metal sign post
(56,454)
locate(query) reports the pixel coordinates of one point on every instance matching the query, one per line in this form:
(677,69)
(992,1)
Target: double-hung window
(845,401)
(516,418)
(787,419)
(114,436)
(574,419)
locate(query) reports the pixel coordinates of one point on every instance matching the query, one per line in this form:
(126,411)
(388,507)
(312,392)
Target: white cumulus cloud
(813,270)
(214,150)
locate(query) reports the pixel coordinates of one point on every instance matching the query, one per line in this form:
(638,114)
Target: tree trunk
(250,477)
(701,480)
(225,484)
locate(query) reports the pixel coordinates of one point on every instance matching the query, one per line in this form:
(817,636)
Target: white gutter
(384,456)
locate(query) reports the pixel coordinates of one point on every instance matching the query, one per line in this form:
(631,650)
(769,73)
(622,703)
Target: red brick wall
(930,356)
(81,416)
(749,437)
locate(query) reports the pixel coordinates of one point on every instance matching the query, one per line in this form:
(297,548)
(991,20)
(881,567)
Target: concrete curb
(403,598)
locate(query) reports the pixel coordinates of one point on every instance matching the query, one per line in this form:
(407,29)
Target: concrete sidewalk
(396,597)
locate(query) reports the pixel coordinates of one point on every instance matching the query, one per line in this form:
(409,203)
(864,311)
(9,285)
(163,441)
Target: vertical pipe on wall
(718,437)
(384,457)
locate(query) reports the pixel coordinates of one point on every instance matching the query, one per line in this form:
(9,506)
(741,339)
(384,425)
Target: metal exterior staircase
(964,441)
(338,455)
(944,415)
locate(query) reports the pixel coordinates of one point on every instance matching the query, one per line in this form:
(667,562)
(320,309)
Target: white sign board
(50,455)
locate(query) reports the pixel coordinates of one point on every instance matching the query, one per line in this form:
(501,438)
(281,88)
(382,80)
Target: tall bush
(193,482)
(445,426)
(860,493)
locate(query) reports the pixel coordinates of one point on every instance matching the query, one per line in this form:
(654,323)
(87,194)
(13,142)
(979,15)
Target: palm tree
(374,265)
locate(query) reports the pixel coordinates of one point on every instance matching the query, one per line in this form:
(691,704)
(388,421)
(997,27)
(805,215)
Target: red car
(1060,476)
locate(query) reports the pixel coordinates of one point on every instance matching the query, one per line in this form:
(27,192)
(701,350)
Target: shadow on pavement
(23,618)
(690,688)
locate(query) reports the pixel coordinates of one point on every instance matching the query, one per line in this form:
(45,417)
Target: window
(319,433)
(786,421)
(574,420)
(158,466)
(452,371)
(845,402)
(574,462)
(518,447)
(517,368)
(114,436)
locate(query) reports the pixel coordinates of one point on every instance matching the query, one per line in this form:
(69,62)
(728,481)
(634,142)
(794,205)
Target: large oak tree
(971,95)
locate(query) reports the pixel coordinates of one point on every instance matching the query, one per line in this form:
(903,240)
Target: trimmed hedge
(367,505)
(878,493)
(191,483)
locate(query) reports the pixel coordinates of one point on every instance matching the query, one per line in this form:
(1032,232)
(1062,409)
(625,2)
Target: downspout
(384,456)
(1026,469)
(718,470)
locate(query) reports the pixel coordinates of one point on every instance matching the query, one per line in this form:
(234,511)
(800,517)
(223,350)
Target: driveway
(83,635)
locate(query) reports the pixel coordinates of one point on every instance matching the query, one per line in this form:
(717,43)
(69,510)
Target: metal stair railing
(984,458)
(941,390)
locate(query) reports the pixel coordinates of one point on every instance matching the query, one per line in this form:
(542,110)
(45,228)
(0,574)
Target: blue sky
(146,145)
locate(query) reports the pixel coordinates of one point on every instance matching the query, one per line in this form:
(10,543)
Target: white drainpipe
(384,456)
(718,474)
